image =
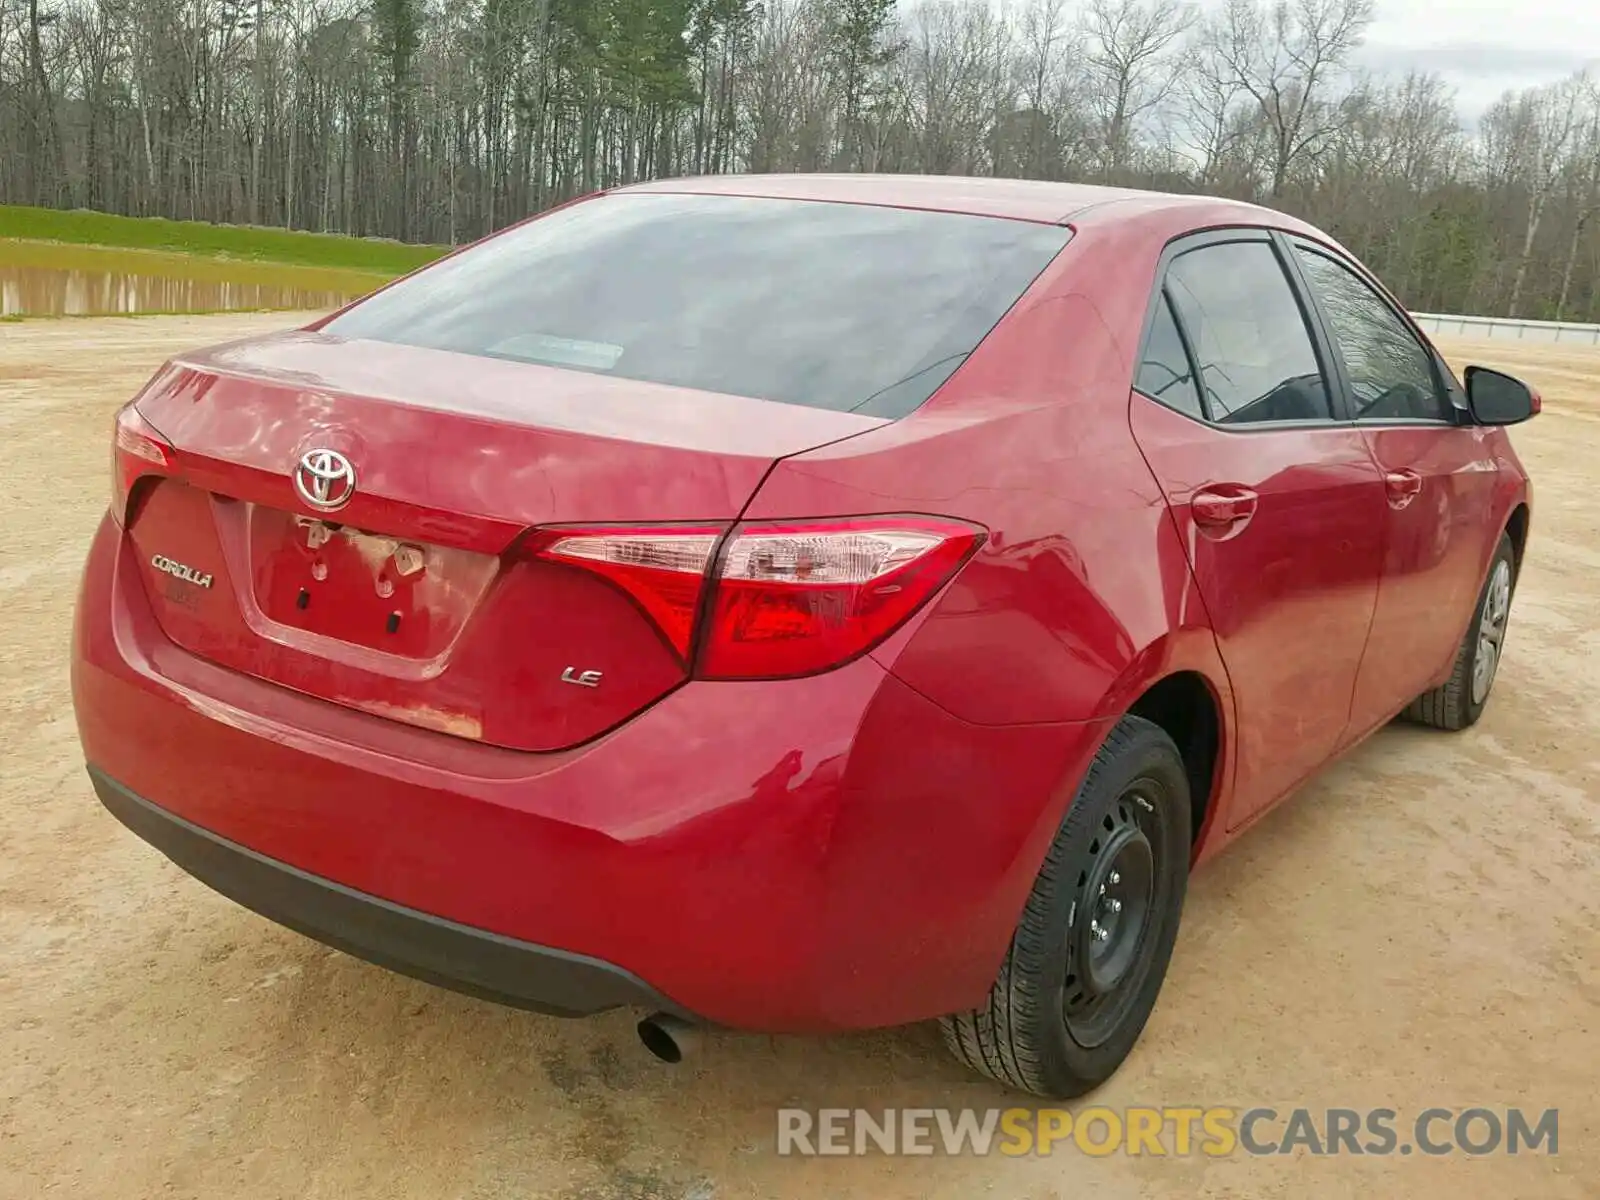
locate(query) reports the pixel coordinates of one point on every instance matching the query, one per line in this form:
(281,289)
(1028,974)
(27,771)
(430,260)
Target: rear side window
(1256,360)
(839,306)
(1164,370)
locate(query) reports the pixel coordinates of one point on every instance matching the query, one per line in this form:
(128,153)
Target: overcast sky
(1483,47)
(1480,47)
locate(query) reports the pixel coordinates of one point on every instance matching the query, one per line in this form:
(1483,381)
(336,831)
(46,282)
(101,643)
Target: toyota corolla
(795,603)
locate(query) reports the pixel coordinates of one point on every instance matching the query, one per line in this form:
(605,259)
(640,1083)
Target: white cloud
(1484,47)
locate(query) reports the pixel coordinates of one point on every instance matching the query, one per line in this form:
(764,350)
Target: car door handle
(1226,507)
(1402,487)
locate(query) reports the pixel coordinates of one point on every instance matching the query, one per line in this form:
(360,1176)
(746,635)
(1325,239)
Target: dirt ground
(1418,927)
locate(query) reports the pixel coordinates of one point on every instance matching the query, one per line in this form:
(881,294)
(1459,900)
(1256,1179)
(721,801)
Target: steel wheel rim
(1120,894)
(1492,620)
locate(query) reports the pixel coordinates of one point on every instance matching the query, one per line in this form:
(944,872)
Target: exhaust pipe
(668,1037)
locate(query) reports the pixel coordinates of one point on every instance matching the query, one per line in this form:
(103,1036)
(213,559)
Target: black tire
(1460,702)
(1037,1033)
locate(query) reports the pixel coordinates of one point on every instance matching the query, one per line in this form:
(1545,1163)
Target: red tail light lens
(663,569)
(137,450)
(801,597)
(790,598)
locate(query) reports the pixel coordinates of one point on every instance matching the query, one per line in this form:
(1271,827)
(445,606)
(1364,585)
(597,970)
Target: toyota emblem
(325,479)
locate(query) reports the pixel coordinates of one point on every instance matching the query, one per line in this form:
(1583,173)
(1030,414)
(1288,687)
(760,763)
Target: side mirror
(1497,398)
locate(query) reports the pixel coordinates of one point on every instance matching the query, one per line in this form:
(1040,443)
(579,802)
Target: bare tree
(1286,57)
(1586,191)
(957,78)
(1028,142)
(857,46)
(1129,44)
(1208,95)
(1528,139)
(441,120)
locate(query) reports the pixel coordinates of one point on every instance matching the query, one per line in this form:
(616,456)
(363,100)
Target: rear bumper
(425,947)
(827,853)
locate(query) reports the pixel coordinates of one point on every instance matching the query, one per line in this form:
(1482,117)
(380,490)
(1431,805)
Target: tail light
(801,597)
(779,600)
(663,569)
(137,450)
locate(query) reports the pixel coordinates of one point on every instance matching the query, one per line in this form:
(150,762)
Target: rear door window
(839,306)
(1256,359)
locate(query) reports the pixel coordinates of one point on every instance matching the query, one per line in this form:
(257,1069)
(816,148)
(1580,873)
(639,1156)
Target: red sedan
(794,603)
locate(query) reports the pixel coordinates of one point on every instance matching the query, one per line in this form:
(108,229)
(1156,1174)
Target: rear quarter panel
(1079,599)
(1081,595)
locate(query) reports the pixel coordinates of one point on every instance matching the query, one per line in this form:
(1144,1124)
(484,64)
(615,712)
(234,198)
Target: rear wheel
(1091,950)
(1460,701)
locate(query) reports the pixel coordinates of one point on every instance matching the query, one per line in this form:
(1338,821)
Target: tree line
(441,120)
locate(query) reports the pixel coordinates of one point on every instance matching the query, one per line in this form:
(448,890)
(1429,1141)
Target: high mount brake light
(787,598)
(137,450)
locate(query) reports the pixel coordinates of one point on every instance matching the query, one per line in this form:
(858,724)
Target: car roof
(1020,199)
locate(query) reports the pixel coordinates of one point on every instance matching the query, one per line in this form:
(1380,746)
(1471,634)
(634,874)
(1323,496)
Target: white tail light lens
(137,450)
(818,558)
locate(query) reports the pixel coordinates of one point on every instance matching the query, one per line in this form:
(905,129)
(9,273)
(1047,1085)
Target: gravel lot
(1418,927)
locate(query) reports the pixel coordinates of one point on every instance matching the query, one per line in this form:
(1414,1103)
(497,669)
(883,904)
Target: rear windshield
(838,306)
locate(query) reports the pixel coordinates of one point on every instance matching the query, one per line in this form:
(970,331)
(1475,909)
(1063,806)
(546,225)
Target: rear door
(1438,478)
(1275,497)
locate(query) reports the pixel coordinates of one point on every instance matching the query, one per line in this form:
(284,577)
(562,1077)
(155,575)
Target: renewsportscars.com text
(1215,1132)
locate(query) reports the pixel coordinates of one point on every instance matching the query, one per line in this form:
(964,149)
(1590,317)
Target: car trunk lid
(410,596)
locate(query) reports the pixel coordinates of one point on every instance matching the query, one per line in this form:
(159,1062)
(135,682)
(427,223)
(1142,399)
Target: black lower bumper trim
(459,957)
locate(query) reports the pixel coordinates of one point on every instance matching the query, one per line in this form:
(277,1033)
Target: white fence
(1509,327)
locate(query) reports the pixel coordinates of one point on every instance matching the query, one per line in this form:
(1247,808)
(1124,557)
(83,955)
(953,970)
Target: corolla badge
(325,479)
(179,571)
